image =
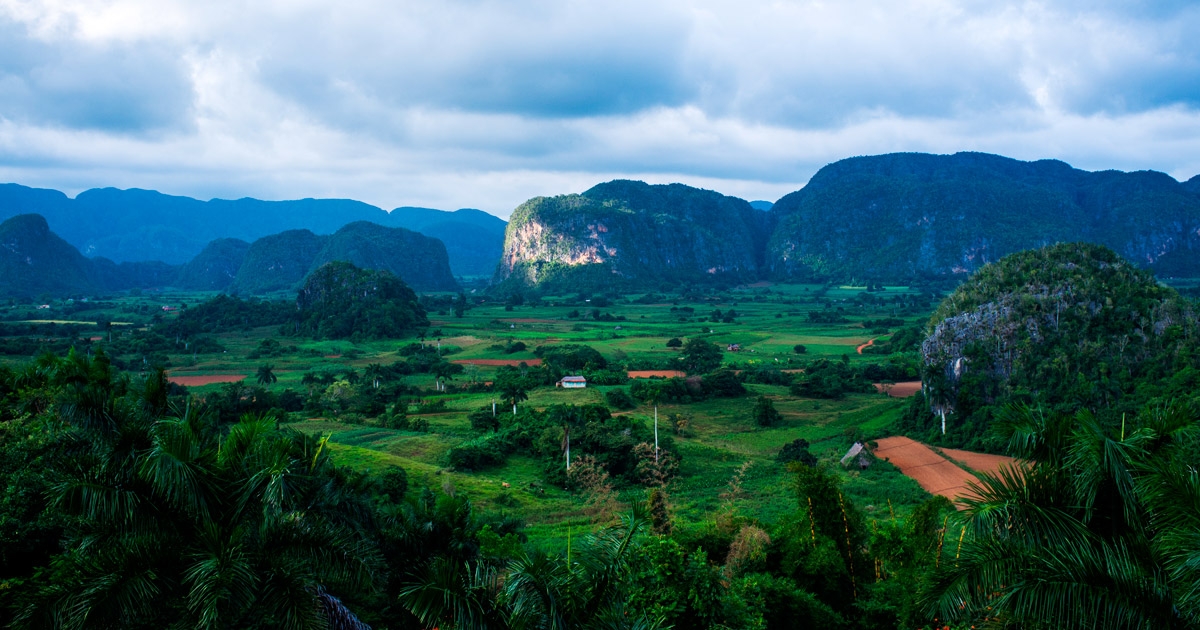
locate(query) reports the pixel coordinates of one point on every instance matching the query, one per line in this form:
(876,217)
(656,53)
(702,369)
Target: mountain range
(886,218)
(142,225)
(34,260)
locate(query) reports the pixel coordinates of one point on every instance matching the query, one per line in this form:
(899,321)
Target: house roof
(852,453)
(574,379)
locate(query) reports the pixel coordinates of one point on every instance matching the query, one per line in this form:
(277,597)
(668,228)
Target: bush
(483,420)
(619,399)
(393,484)
(764,413)
(796,451)
(723,384)
(479,453)
(674,342)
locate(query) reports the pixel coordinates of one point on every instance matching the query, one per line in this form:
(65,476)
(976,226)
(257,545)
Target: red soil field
(656,374)
(903,389)
(934,473)
(205,379)
(979,462)
(497,362)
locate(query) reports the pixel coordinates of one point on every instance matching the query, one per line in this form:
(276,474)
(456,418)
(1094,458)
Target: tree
(700,356)
(799,349)
(764,412)
(512,389)
(172,522)
(444,370)
(674,342)
(266,375)
(374,373)
(1096,531)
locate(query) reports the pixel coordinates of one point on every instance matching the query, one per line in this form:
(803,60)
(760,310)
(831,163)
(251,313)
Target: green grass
(771,321)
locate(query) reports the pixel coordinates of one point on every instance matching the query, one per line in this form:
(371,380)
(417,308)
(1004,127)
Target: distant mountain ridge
(898,216)
(34,260)
(887,218)
(141,225)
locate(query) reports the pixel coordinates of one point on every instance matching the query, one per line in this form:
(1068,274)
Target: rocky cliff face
(900,216)
(631,233)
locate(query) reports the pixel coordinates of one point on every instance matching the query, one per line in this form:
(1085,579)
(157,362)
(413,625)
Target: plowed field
(205,379)
(496,362)
(903,389)
(935,473)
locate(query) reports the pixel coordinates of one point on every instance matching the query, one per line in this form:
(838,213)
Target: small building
(735,347)
(572,382)
(858,455)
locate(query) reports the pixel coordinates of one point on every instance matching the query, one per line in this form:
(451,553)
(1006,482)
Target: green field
(769,322)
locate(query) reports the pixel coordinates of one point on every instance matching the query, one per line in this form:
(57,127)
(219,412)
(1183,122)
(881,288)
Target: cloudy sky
(480,103)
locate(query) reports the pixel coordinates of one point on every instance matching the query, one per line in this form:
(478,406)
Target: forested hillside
(1066,327)
(34,260)
(625,233)
(906,215)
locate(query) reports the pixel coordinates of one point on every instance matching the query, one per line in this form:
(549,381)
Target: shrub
(764,413)
(796,451)
(619,399)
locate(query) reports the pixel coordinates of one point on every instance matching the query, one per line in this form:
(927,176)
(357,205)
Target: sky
(484,104)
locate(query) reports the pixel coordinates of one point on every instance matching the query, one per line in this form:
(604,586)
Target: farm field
(946,473)
(767,327)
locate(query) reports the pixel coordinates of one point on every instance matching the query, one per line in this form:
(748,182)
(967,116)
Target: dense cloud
(485,103)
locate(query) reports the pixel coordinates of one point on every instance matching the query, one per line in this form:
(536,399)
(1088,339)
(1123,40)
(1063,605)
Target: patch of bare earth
(656,374)
(205,379)
(498,362)
(903,389)
(979,462)
(933,472)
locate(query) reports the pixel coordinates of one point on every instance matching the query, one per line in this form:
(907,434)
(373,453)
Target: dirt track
(205,379)
(870,342)
(934,473)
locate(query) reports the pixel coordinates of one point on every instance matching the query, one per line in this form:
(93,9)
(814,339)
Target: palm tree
(585,589)
(266,375)
(513,390)
(172,525)
(1094,533)
(310,381)
(654,396)
(375,374)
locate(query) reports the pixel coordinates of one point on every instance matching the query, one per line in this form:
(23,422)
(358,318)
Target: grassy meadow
(769,321)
